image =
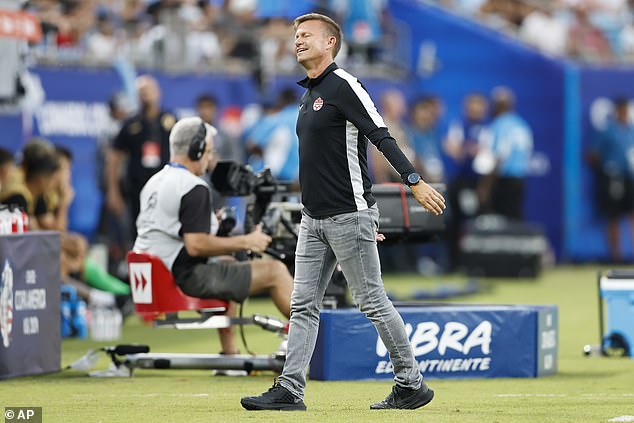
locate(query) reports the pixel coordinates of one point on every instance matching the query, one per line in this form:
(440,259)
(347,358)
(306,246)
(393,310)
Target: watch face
(413,178)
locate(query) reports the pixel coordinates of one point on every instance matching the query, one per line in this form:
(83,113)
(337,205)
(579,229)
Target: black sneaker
(276,398)
(405,399)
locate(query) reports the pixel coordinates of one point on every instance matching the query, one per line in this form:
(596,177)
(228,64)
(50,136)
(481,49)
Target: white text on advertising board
(474,344)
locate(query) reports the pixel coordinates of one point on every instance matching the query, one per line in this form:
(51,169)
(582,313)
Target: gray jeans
(350,239)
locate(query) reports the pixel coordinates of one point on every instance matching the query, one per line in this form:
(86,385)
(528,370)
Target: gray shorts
(225,280)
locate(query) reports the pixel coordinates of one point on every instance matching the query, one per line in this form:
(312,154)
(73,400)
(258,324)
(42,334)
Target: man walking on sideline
(340,218)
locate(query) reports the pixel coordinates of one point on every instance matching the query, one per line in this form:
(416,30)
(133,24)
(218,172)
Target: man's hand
(66,194)
(257,241)
(428,197)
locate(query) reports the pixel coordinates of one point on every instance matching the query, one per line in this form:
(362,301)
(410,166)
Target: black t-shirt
(194,212)
(336,119)
(146,141)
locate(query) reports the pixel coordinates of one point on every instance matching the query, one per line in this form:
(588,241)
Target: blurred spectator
(75,266)
(279,146)
(144,141)
(78,19)
(103,45)
(612,157)
(544,30)
(502,190)
(362,22)
(238,31)
(426,139)
(503,14)
(277,50)
(258,128)
(465,6)
(587,42)
(227,146)
(462,144)
(113,229)
(626,42)
(27,184)
(394,111)
(60,195)
(202,44)
(7,166)
(224,146)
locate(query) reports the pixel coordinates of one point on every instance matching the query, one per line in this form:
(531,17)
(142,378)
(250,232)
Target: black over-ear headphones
(198,143)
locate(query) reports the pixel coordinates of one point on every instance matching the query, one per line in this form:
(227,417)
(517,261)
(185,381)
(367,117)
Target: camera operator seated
(175,224)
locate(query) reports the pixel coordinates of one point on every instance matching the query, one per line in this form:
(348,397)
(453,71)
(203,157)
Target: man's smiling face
(311,41)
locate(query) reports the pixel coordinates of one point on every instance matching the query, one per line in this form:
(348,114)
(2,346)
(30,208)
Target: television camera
(280,219)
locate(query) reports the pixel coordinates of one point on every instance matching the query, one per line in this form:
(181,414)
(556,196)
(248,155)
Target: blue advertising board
(30,330)
(462,341)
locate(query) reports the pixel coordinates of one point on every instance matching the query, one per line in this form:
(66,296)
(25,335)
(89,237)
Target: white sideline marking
(622,419)
(169,395)
(600,395)
(531,395)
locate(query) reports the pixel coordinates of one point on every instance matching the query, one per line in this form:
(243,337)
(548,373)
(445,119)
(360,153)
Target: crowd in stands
(594,31)
(255,36)
(241,36)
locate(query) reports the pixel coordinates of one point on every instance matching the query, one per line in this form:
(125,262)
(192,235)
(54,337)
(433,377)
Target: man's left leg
(354,244)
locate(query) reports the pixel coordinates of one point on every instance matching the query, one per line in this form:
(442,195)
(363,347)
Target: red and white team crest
(318,104)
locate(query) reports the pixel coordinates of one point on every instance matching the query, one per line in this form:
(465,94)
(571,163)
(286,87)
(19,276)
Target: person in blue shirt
(501,191)
(276,140)
(612,157)
(363,22)
(426,139)
(462,144)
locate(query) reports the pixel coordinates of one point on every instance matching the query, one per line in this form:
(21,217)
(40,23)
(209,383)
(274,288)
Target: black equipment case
(402,218)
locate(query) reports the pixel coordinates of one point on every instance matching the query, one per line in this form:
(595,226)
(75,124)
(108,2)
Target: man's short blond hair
(332,28)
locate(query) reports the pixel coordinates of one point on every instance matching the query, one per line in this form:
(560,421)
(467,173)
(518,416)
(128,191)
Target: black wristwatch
(413,179)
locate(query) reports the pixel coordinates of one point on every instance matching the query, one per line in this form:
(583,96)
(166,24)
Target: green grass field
(584,390)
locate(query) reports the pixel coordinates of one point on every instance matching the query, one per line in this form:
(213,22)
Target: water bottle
(116,321)
(25,220)
(68,297)
(97,323)
(80,321)
(66,317)
(17,221)
(5,221)
(105,324)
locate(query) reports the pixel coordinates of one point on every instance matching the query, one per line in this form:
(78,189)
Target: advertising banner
(449,342)
(30,318)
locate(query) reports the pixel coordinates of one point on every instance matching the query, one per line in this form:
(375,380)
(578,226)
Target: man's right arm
(195,214)
(205,245)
